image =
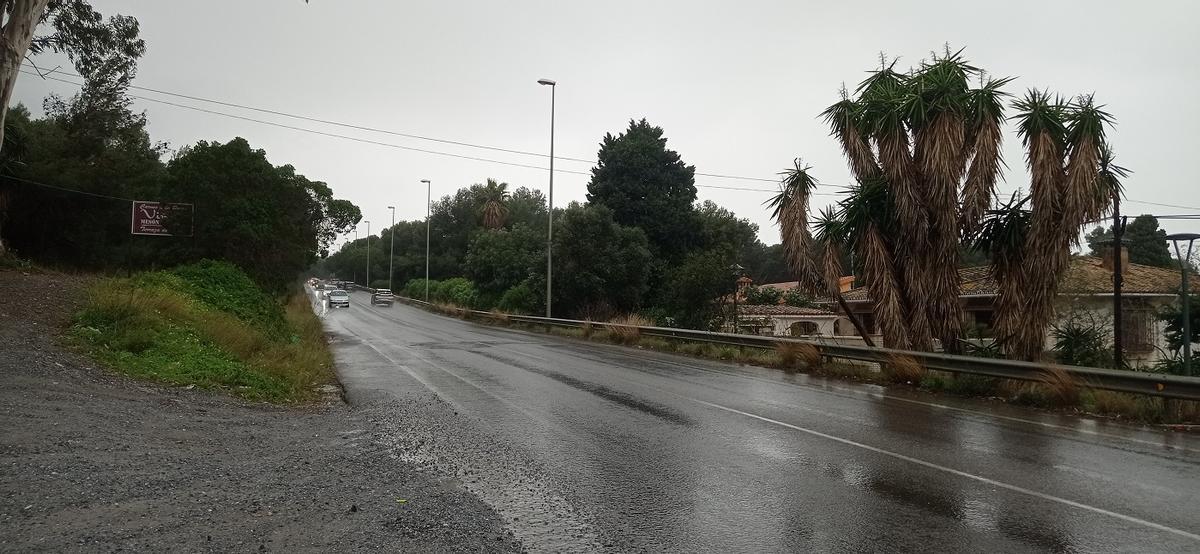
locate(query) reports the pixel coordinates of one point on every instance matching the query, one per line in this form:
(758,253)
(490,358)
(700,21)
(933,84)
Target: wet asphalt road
(652,452)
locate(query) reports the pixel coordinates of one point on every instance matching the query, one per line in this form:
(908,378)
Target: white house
(1086,291)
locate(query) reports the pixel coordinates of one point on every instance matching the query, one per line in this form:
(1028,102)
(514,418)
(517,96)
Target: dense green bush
(765,296)
(380,284)
(416,289)
(519,300)
(221,285)
(156,326)
(458,291)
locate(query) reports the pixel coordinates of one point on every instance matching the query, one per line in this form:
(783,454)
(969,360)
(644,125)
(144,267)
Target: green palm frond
(792,182)
(1039,112)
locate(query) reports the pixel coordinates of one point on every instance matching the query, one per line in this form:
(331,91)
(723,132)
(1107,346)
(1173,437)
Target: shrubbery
(206,324)
(223,286)
(458,291)
(416,289)
(519,299)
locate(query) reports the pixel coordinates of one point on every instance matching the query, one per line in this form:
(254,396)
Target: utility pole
(391,247)
(368,284)
(428,200)
(1119,223)
(1185,297)
(550,207)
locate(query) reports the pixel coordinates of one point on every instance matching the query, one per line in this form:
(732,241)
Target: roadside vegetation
(1056,390)
(209,325)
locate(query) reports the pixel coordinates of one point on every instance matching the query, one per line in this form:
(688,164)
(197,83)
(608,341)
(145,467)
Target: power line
(1162,204)
(376,129)
(444,141)
(64,189)
(398,146)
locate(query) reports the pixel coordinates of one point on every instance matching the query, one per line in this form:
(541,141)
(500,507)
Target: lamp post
(550,201)
(391,247)
(354,277)
(428,200)
(1190,238)
(368,284)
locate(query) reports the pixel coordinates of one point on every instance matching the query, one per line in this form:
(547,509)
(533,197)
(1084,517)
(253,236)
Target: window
(801,328)
(1137,324)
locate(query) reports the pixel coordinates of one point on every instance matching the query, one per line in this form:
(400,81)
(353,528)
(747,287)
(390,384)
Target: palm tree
(1073,182)
(495,209)
(924,148)
(790,211)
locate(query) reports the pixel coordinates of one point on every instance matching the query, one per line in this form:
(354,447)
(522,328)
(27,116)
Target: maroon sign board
(148,218)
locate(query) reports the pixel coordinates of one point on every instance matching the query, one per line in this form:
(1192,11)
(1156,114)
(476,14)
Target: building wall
(1144,335)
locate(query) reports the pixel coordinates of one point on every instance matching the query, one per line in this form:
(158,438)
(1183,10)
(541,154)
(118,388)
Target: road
(646,451)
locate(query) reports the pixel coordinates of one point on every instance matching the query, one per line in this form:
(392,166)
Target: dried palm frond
(842,119)
(1003,234)
(1084,198)
(889,305)
(1041,125)
(790,210)
(986,115)
(1109,181)
(831,251)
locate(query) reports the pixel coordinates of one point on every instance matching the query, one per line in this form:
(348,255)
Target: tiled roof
(1085,275)
(782,287)
(763,309)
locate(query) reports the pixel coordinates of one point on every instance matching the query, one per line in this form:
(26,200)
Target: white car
(338,299)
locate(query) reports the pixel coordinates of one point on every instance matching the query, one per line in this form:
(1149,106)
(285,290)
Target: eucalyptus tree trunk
(15,37)
(16,34)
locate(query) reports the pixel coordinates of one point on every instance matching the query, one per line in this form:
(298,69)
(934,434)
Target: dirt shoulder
(93,461)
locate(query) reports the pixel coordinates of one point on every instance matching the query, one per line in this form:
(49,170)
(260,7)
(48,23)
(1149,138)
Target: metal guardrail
(1153,384)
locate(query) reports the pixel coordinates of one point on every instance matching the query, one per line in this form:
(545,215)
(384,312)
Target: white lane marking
(920,462)
(891,454)
(886,397)
(952,471)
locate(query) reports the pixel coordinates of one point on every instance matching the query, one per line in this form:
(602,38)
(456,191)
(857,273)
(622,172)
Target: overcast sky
(737,86)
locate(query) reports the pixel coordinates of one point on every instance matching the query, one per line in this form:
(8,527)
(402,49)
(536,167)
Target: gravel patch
(93,461)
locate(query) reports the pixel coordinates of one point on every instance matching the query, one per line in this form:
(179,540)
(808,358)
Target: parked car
(382,297)
(338,298)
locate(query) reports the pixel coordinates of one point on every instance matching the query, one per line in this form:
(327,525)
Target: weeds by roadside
(154,326)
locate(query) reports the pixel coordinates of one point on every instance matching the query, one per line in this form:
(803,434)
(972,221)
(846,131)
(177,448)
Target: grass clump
(624,330)
(156,326)
(903,369)
(794,356)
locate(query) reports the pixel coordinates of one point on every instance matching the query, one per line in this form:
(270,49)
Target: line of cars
(337,293)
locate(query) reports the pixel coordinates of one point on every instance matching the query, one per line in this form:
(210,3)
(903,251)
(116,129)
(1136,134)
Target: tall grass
(624,330)
(144,327)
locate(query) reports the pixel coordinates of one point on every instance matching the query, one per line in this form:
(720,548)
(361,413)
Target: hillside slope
(90,460)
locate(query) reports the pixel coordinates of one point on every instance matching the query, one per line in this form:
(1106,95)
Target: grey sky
(736,85)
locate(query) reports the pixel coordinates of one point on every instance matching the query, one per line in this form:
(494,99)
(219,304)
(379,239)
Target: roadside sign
(148,218)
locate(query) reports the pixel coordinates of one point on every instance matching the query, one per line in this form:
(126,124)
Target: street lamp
(550,210)
(368,285)
(391,247)
(428,200)
(1185,298)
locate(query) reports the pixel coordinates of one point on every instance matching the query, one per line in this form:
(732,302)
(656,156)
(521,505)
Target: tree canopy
(1146,242)
(646,185)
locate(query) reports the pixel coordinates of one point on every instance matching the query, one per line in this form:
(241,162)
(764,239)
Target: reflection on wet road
(664,453)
